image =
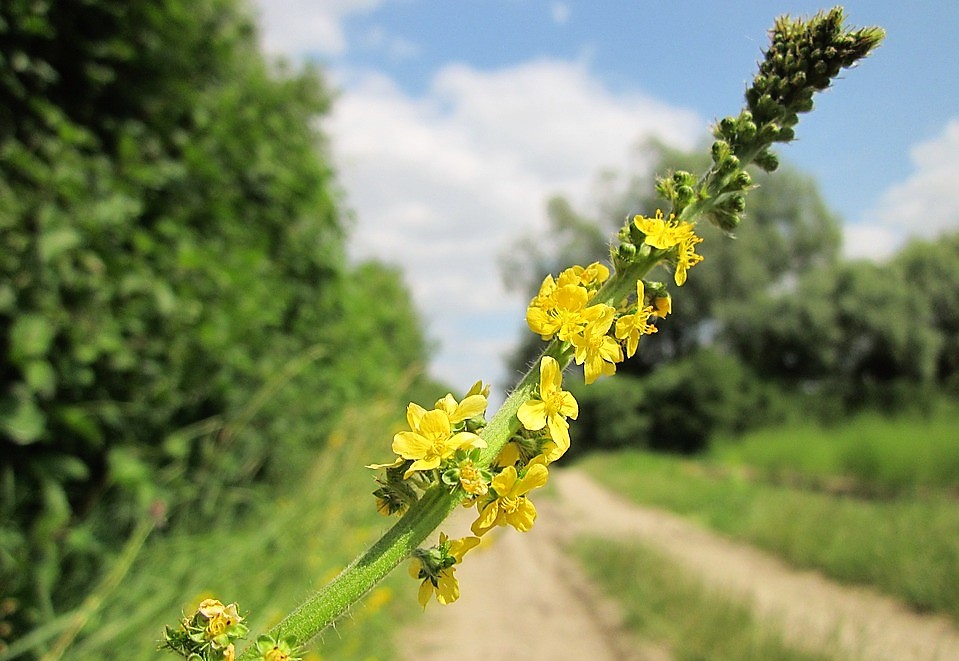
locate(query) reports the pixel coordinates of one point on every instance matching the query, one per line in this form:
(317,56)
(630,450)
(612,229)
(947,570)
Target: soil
(523,598)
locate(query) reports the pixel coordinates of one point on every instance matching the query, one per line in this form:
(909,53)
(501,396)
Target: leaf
(23,420)
(31,337)
(55,242)
(41,377)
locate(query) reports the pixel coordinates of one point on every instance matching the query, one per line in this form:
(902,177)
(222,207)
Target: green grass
(663,604)
(908,547)
(267,562)
(871,455)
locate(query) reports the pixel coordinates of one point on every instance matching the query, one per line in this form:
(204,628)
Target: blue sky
(456,119)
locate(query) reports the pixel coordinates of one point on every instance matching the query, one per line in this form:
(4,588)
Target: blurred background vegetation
(184,343)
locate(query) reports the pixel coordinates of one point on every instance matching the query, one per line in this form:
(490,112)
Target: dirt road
(523,598)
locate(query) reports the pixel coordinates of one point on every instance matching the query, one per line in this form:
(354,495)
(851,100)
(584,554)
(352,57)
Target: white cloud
(443,183)
(297,27)
(924,205)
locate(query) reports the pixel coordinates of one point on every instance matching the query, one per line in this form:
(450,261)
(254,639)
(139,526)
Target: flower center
(510,504)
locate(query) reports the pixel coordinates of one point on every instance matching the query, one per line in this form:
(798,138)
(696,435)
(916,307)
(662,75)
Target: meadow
(870,501)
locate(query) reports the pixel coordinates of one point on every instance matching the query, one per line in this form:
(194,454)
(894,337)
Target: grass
(267,562)
(907,547)
(872,455)
(662,603)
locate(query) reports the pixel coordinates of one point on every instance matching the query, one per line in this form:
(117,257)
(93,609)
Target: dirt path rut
(523,598)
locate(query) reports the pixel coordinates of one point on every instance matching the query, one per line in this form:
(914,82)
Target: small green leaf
(55,242)
(41,377)
(31,337)
(23,420)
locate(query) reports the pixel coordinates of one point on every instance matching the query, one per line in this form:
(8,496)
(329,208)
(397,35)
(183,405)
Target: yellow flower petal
(532,414)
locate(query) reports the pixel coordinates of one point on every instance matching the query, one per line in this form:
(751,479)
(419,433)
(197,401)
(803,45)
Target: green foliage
(904,547)
(871,454)
(663,603)
(176,316)
(677,407)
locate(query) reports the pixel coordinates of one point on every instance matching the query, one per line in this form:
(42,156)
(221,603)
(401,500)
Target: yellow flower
(219,617)
(590,277)
(662,305)
(551,409)
(687,257)
(439,573)
(511,506)
(630,327)
(594,349)
(471,479)
(430,439)
(471,406)
(660,233)
(229,652)
(509,455)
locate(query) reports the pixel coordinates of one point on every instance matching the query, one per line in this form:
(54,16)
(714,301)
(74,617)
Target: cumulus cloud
(444,182)
(298,27)
(925,204)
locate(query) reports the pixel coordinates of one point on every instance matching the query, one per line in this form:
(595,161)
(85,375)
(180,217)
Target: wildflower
(662,305)
(430,439)
(660,232)
(590,277)
(509,455)
(551,409)
(466,475)
(471,406)
(594,349)
(436,567)
(630,327)
(562,314)
(223,623)
(687,257)
(510,506)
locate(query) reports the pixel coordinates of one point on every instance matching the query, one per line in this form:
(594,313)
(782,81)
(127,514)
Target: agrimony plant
(594,316)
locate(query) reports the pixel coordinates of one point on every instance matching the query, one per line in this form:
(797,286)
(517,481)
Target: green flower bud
(767,160)
(724,220)
(721,149)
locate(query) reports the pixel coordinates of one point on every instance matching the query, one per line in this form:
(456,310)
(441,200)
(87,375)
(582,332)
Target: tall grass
(872,454)
(267,561)
(663,603)
(907,547)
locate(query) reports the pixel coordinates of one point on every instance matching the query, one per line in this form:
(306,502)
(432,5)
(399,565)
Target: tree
(171,238)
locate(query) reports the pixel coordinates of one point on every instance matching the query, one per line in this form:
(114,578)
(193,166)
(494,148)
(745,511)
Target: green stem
(336,598)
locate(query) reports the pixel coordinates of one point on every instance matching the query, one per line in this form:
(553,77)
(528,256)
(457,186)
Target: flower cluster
(440,445)
(209,634)
(443,447)
(602,335)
